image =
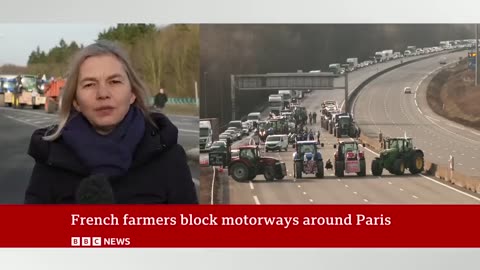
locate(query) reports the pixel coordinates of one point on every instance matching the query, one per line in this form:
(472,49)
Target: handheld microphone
(95,189)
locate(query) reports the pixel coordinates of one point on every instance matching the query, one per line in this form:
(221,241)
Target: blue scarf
(111,154)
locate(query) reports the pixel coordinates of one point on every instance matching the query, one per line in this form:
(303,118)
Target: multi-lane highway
(16,127)
(383,106)
(387,189)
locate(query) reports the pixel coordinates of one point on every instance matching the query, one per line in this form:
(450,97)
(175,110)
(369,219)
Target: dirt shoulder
(452,94)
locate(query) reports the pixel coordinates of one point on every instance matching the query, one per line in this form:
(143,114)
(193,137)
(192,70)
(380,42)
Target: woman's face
(104,93)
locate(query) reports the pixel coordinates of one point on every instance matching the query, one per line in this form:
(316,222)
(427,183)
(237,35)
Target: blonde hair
(68,93)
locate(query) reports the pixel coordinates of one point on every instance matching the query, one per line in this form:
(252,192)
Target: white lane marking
(415,197)
(447,186)
(22,121)
(346,186)
(419,110)
(339,180)
(255,198)
(356,193)
(455,126)
(311,200)
(401,189)
(431,118)
(299,186)
(365,200)
(416,104)
(304,193)
(460,164)
(251,185)
(476,133)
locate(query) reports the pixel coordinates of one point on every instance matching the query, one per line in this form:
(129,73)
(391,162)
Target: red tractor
(248,164)
(349,159)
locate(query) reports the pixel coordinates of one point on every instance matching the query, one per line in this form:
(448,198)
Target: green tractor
(397,155)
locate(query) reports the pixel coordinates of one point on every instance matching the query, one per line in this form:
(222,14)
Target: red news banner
(241,226)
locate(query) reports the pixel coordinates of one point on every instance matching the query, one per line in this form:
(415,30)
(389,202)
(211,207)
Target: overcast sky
(17,41)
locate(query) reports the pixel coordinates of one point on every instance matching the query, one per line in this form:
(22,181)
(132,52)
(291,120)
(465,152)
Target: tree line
(166,57)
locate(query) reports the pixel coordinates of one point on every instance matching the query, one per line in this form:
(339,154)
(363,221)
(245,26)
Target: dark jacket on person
(159,172)
(161,100)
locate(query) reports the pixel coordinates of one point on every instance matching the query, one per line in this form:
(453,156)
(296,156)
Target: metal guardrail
(189,101)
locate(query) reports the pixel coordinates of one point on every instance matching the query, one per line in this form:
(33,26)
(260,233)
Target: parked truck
(379,57)
(335,68)
(388,54)
(287,95)
(352,64)
(209,131)
(275,104)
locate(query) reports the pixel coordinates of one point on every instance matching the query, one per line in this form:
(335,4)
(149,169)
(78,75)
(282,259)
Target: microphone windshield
(95,189)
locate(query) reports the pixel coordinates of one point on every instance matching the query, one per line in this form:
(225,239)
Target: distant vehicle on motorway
(443,61)
(407,90)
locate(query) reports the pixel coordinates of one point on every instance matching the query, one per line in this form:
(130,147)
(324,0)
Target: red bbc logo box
(86,241)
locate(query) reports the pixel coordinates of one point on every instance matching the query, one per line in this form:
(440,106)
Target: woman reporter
(106,129)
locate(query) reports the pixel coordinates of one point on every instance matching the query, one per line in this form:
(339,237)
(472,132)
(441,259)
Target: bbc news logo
(99,242)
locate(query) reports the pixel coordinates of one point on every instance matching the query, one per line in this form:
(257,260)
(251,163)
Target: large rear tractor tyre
(269,174)
(363,169)
(377,167)
(320,170)
(298,170)
(252,174)
(339,168)
(240,172)
(399,167)
(417,164)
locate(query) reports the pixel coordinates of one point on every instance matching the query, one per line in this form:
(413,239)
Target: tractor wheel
(377,167)
(240,172)
(320,171)
(269,174)
(298,170)
(363,168)
(417,163)
(399,167)
(252,174)
(339,168)
(279,177)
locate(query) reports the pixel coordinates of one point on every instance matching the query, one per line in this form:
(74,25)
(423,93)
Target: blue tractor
(307,159)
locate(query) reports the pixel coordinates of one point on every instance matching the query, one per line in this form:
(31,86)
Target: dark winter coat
(159,173)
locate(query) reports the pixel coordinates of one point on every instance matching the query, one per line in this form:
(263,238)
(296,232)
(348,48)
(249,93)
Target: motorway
(387,189)
(383,106)
(16,127)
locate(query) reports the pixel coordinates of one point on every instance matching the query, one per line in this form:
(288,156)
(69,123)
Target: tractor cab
(400,144)
(348,150)
(250,153)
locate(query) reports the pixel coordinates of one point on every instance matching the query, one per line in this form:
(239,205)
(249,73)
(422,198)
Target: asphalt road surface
(16,127)
(382,105)
(351,189)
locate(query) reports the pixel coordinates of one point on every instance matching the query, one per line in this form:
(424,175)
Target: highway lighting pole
(205,92)
(476,55)
(232,93)
(346,93)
